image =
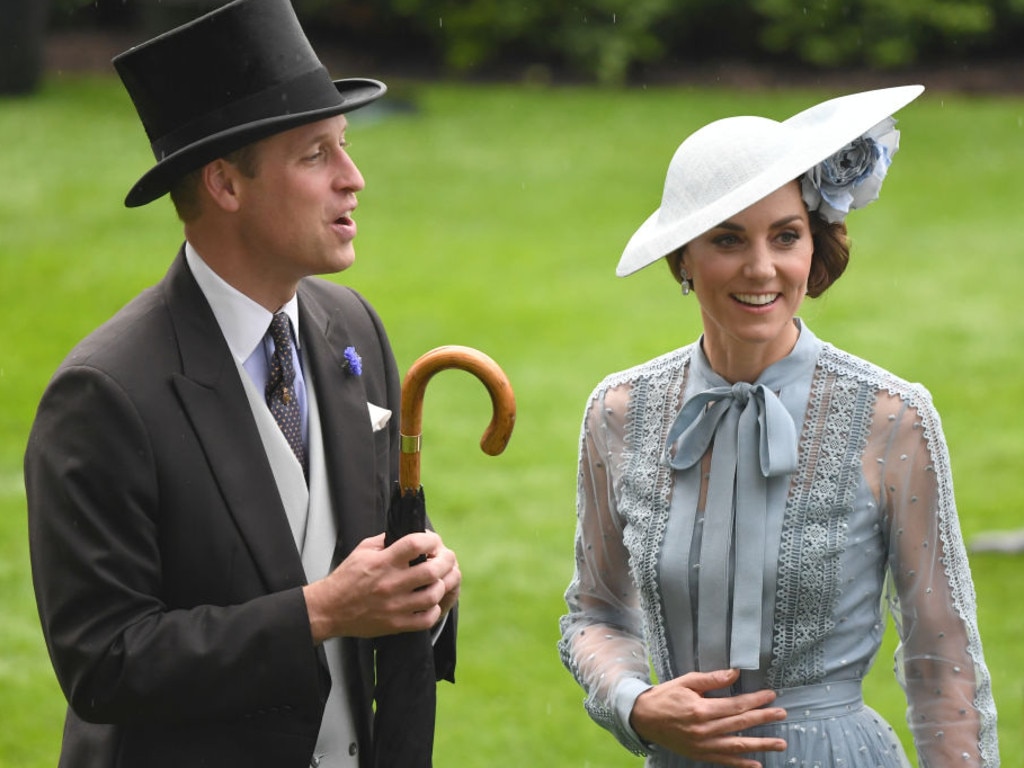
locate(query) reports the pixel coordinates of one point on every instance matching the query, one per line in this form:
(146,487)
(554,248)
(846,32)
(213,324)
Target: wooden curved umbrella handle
(503,403)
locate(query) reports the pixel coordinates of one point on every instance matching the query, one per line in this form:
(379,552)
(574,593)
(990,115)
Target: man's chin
(341,261)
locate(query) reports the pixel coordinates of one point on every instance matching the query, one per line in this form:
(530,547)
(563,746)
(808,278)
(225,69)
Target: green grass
(493,217)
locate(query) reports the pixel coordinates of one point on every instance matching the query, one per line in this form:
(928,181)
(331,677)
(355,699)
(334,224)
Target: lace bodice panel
(870,504)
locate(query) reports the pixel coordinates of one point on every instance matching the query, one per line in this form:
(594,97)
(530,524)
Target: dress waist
(810,702)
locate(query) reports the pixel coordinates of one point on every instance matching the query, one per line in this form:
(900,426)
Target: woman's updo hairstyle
(831,254)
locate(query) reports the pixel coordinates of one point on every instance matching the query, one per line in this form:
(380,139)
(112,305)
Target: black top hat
(240,73)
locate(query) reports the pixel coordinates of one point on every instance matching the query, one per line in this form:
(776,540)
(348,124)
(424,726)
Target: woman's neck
(739,360)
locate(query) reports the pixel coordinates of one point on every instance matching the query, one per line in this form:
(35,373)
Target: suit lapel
(344,423)
(213,397)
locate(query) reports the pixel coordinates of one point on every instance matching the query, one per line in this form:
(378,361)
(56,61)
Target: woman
(746,502)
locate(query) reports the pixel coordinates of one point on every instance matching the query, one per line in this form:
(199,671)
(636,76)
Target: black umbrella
(406,686)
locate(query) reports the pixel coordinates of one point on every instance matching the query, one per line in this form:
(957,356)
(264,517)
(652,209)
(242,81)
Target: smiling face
(750,275)
(295,211)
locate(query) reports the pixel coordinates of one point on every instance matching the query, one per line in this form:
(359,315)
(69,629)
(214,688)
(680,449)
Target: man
(208,472)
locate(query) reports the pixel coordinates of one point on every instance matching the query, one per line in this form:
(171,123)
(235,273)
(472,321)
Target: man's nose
(347,175)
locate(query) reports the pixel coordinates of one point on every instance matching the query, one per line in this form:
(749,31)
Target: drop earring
(684,281)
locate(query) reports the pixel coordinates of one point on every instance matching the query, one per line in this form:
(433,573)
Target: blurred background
(520,145)
(605,41)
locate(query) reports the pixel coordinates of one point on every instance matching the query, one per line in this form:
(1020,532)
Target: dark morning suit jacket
(166,576)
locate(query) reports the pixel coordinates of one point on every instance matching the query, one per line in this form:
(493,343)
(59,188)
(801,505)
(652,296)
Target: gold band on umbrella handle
(503,403)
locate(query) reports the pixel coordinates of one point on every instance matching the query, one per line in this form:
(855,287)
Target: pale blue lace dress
(842,503)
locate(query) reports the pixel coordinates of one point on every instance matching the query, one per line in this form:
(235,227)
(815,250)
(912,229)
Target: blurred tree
(599,38)
(611,40)
(606,38)
(877,33)
(22,36)
(78,14)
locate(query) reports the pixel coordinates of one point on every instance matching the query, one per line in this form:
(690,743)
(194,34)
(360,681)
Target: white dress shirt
(244,324)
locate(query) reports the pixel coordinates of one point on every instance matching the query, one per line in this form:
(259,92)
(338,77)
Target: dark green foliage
(607,40)
(21,45)
(611,40)
(878,33)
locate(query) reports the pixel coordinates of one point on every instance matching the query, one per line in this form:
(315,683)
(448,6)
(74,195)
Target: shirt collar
(243,321)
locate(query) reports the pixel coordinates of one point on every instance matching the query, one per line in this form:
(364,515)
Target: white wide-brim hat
(730,164)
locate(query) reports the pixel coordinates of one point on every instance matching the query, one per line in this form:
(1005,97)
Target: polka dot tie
(280,394)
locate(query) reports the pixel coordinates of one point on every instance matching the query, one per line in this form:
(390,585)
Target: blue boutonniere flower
(353,362)
(852,177)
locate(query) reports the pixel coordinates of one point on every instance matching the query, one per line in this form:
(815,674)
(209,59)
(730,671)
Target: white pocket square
(379,417)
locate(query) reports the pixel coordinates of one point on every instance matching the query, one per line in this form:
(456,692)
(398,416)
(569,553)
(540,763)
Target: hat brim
(816,134)
(158,180)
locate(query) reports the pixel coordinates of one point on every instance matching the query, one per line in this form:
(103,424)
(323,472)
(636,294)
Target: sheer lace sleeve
(939,661)
(602,634)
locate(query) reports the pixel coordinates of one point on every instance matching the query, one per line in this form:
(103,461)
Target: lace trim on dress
(643,504)
(813,537)
(654,401)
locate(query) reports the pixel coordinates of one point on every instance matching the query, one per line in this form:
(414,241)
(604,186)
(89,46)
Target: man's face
(296,211)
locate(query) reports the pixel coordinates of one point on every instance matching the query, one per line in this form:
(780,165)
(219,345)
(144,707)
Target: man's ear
(220,179)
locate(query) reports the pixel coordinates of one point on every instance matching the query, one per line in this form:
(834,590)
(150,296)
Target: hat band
(304,93)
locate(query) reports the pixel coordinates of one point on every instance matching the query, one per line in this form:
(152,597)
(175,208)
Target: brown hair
(828,261)
(185,191)
(831,254)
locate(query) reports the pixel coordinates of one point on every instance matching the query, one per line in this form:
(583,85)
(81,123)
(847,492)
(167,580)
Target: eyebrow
(325,135)
(774,225)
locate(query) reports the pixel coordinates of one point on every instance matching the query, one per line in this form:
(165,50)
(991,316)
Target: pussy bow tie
(755,439)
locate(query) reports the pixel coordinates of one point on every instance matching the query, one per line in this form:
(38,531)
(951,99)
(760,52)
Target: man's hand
(375,591)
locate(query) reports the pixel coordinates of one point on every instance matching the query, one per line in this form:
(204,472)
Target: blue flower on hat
(353,362)
(852,177)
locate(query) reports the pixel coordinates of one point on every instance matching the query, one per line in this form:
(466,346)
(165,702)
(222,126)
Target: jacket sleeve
(123,651)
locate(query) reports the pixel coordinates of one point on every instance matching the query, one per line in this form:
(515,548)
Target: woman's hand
(677,716)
